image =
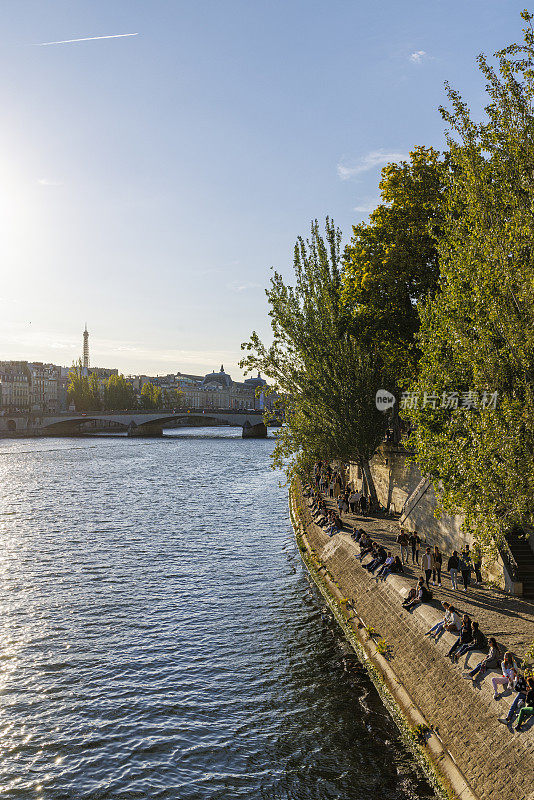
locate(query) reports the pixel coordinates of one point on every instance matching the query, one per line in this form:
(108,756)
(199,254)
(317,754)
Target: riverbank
(468,752)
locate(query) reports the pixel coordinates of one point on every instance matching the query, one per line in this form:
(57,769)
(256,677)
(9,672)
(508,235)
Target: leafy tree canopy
(477,334)
(328,377)
(119,394)
(391,264)
(83,390)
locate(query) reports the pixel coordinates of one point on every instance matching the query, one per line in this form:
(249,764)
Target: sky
(149,182)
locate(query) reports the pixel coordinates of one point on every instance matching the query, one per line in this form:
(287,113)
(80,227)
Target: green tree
(119,394)
(327,376)
(477,335)
(391,264)
(171,398)
(95,398)
(151,397)
(80,391)
(146,396)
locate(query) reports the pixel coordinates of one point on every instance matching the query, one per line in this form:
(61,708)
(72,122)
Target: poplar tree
(328,376)
(83,390)
(477,335)
(119,394)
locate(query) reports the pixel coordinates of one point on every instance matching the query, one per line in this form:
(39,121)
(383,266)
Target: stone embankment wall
(402,489)
(472,755)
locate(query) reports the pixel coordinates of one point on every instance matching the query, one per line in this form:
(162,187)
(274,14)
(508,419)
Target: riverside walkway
(510,619)
(496,762)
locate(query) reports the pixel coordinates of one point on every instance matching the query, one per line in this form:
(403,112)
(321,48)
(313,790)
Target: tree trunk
(396,425)
(368,484)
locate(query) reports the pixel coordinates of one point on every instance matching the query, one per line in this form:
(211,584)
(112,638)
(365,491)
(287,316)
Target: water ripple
(160,639)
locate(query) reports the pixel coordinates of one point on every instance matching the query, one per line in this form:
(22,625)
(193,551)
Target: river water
(160,639)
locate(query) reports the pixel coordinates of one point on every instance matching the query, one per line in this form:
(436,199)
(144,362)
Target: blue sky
(148,183)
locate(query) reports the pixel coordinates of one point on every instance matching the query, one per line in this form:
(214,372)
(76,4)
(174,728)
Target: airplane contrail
(88,39)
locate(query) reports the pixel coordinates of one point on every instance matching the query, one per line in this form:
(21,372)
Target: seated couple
(392,564)
(417,596)
(524,701)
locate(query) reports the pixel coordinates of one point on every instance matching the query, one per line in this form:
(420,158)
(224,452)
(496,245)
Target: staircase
(524,561)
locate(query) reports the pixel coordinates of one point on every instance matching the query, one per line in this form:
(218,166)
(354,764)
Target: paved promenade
(510,619)
(496,762)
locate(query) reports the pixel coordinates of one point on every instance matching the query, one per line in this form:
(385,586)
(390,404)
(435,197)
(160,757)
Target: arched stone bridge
(151,423)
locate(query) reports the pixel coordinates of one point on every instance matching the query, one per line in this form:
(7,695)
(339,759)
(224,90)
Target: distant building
(62,387)
(218,390)
(14,386)
(44,390)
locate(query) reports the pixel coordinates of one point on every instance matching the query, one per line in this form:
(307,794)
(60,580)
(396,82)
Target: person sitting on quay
(509,674)
(478,642)
(322,516)
(403,540)
(366,547)
(357,535)
(465,637)
(521,687)
(390,558)
(528,708)
(450,622)
(417,596)
(335,527)
(395,567)
(326,520)
(378,560)
(373,552)
(490,662)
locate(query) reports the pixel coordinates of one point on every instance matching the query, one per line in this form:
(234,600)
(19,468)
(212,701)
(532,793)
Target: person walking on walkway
(403,541)
(465,567)
(453,566)
(528,708)
(415,542)
(437,560)
(354,500)
(477,563)
(427,566)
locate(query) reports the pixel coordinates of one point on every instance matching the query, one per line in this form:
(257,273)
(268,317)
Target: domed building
(255,382)
(217,380)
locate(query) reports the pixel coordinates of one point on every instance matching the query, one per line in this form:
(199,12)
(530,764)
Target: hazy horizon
(157,159)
